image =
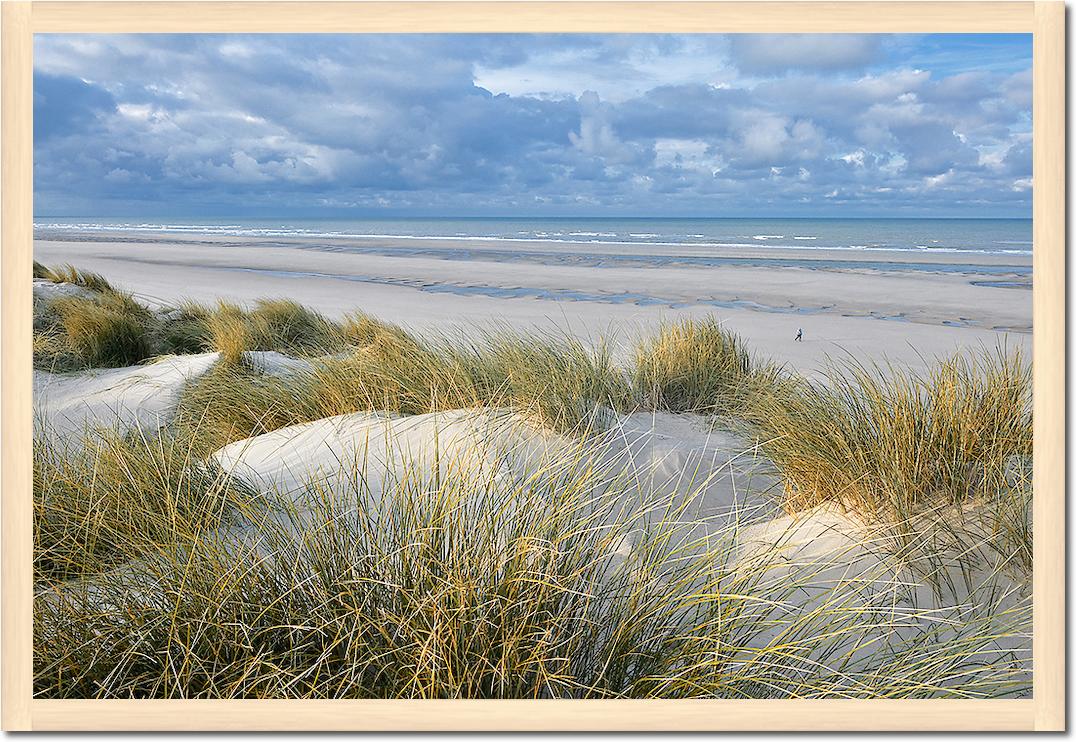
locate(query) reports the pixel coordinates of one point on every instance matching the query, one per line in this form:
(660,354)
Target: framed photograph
(533,366)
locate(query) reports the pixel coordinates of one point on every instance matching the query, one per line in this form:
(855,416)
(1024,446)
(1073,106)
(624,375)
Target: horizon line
(518,216)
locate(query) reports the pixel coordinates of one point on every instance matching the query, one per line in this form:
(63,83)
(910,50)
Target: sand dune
(144,397)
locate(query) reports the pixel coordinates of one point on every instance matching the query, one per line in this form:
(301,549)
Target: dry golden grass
(360,329)
(444,590)
(230,332)
(696,365)
(106,330)
(467,587)
(286,326)
(70,274)
(185,329)
(117,498)
(555,381)
(886,441)
(41,271)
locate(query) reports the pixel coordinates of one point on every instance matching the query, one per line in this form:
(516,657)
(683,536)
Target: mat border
(20,20)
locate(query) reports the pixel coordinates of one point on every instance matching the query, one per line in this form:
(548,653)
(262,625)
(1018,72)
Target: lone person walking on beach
(799,336)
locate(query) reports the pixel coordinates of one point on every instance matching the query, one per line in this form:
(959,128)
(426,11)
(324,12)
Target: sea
(664,235)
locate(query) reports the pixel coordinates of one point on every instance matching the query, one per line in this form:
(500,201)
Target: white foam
(601,238)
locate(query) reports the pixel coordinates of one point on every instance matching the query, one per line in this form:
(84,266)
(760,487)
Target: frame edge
(16,163)
(1048,367)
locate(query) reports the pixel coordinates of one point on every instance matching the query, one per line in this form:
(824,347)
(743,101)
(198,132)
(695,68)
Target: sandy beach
(908,308)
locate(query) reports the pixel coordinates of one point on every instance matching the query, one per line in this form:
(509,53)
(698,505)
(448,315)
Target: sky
(362,126)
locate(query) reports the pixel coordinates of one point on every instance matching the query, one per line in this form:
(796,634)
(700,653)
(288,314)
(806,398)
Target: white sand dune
(659,456)
(68,405)
(683,454)
(373,451)
(813,565)
(646,470)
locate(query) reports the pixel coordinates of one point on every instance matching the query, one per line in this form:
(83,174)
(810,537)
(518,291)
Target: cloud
(769,53)
(512,124)
(66,105)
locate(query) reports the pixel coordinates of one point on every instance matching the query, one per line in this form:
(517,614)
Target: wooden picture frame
(1045,20)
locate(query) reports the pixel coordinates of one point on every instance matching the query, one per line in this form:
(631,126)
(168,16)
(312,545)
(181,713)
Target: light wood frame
(1045,712)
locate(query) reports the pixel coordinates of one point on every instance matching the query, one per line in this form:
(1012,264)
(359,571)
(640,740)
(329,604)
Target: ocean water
(983,236)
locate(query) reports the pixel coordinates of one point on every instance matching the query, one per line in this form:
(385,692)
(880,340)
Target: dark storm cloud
(66,105)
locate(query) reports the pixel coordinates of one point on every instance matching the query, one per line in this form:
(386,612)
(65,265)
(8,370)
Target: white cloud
(936,181)
(854,158)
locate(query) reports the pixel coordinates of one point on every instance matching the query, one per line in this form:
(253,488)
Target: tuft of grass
(558,381)
(229,331)
(287,326)
(185,329)
(274,324)
(119,497)
(79,332)
(232,401)
(696,365)
(68,273)
(888,442)
(360,329)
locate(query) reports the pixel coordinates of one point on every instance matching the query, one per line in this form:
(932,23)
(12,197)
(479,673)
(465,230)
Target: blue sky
(532,125)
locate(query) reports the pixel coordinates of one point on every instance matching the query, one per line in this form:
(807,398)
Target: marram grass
(119,497)
(696,365)
(440,589)
(158,576)
(884,440)
(106,330)
(70,274)
(109,328)
(556,381)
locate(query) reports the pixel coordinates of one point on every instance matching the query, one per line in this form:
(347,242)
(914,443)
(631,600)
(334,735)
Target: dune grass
(885,441)
(697,365)
(185,329)
(287,326)
(442,590)
(70,274)
(555,381)
(108,329)
(111,329)
(42,272)
(274,324)
(119,497)
(229,330)
(438,593)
